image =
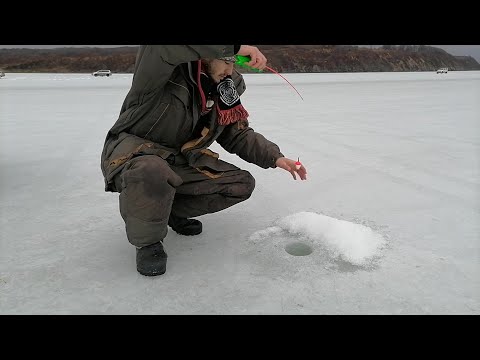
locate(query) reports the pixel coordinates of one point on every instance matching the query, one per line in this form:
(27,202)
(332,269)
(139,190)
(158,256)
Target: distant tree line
(283,58)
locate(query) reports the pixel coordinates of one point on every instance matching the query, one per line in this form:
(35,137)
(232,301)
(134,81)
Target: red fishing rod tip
(275,72)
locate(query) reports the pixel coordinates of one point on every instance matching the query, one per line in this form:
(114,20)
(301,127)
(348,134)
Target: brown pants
(150,189)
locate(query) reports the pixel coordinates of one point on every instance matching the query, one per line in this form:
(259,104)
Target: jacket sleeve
(155,63)
(240,139)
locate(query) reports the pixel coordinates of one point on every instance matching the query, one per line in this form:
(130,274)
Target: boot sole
(152,273)
(188,233)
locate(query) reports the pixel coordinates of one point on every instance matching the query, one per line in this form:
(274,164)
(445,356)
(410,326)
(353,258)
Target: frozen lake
(389,215)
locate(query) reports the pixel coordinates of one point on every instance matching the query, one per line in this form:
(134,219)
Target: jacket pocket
(213,164)
(213,167)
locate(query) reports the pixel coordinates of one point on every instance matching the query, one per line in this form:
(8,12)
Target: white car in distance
(102,73)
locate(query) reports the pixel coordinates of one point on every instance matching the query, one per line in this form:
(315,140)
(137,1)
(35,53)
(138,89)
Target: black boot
(151,260)
(185,226)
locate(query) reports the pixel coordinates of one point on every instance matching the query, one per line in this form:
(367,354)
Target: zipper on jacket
(163,112)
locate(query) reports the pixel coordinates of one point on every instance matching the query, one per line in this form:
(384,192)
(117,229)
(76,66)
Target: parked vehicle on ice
(102,73)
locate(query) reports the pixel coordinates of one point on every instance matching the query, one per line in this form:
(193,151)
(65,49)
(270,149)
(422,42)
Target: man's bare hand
(257,59)
(289,165)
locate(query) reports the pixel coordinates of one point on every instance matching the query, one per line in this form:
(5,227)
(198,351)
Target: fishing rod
(242,60)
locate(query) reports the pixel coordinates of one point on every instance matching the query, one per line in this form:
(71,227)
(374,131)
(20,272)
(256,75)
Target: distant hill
(283,58)
(314,58)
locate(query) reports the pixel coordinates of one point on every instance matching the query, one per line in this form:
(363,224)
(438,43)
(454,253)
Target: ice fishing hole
(298,249)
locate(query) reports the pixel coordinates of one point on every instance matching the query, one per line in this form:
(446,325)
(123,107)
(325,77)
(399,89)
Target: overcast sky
(471,50)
